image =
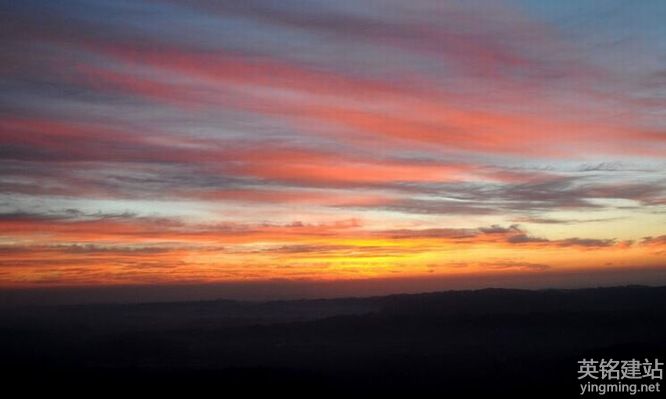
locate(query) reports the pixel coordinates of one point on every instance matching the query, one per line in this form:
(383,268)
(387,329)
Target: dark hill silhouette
(485,341)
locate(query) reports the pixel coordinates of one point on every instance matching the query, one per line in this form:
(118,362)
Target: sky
(160,143)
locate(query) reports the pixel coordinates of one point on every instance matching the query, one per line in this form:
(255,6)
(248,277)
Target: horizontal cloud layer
(168,141)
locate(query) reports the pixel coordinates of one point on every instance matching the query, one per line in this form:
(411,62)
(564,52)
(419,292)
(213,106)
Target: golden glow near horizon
(328,142)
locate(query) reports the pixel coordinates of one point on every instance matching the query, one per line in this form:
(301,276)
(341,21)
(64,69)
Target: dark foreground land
(488,341)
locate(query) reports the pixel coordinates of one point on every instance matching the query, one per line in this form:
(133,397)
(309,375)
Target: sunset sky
(181,142)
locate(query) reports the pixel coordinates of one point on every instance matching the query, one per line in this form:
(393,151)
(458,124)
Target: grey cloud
(497,229)
(64,215)
(546,220)
(524,238)
(586,242)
